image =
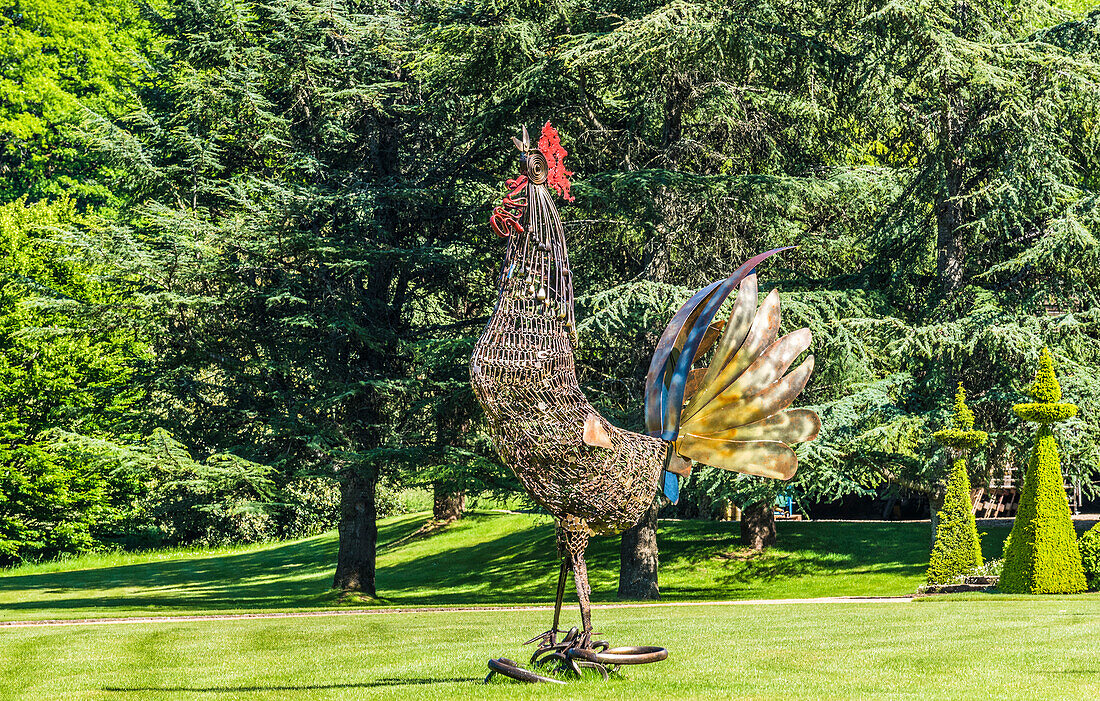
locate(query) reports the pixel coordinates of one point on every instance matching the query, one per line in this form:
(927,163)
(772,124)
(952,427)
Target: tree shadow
(479,560)
(384,682)
(289,575)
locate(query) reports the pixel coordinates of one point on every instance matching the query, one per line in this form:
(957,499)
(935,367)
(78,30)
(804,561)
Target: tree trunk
(447,506)
(950,248)
(638,558)
(758,525)
(358,528)
(950,242)
(358,531)
(658,250)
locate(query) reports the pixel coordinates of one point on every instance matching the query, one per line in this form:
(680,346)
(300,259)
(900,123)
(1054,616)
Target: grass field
(961,647)
(1037,649)
(485,559)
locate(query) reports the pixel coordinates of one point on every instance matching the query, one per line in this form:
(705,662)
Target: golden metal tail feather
(790,427)
(735,418)
(746,410)
(765,370)
(759,336)
(761,458)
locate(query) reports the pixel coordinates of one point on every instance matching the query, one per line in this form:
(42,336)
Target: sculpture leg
(572,541)
(576,651)
(584,594)
(561,595)
(549,639)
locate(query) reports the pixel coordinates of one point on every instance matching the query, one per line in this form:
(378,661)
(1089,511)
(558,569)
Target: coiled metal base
(572,656)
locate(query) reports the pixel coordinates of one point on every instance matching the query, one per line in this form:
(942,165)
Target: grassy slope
(487,558)
(1039,649)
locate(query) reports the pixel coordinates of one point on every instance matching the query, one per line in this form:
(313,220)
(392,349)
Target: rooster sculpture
(593,477)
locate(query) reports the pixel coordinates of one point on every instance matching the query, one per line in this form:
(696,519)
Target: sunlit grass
(1042,648)
(487,558)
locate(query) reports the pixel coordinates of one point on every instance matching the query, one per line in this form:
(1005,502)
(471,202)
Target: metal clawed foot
(607,660)
(573,655)
(552,652)
(577,651)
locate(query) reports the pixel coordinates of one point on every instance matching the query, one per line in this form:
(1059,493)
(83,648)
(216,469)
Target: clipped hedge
(1041,554)
(1089,545)
(1045,413)
(958,550)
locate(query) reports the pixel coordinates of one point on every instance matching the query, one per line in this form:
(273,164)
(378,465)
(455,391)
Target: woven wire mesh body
(524,376)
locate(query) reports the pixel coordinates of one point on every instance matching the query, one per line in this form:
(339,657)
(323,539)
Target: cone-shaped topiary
(958,549)
(1045,388)
(1041,554)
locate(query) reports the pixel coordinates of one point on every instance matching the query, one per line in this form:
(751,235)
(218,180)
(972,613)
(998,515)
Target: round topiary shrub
(1089,544)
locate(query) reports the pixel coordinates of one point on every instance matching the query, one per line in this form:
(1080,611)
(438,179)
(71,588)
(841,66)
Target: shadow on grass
(298,574)
(483,559)
(303,687)
(289,574)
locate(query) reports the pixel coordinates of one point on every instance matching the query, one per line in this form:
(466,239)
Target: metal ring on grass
(578,665)
(513,671)
(545,659)
(639,654)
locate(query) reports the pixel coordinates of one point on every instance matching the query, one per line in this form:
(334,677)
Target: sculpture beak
(524,145)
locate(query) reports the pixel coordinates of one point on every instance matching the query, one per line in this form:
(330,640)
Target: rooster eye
(537,167)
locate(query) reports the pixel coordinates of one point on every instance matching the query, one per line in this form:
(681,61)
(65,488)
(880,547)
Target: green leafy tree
(59,61)
(1089,545)
(933,164)
(1041,554)
(161,495)
(957,549)
(59,369)
(304,190)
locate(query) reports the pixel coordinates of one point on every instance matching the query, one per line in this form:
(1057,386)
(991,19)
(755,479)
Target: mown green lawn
(485,559)
(947,649)
(962,647)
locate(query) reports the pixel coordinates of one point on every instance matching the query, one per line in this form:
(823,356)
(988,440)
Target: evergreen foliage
(161,495)
(59,368)
(961,435)
(833,128)
(78,471)
(1089,545)
(1041,554)
(300,262)
(289,226)
(62,59)
(957,550)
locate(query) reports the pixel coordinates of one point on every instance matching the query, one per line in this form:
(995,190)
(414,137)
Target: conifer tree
(295,165)
(701,132)
(957,549)
(61,369)
(1041,554)
(287,227)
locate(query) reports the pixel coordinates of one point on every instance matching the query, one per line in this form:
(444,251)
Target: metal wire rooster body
(592,476)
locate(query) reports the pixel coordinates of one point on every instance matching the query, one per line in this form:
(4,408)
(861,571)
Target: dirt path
(455,609)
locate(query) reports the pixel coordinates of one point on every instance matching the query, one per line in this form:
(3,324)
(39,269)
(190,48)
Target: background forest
(244,253)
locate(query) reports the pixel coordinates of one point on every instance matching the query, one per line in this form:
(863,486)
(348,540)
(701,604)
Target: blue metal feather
(671,486)
(656,384)
(673,399)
